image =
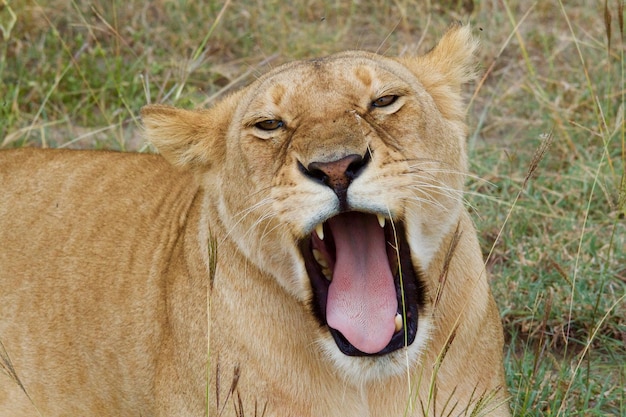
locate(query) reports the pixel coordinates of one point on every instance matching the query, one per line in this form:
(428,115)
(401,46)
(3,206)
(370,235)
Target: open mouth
(365,287)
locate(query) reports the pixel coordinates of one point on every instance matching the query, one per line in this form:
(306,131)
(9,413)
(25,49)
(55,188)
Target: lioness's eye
(271,124)
(384,101)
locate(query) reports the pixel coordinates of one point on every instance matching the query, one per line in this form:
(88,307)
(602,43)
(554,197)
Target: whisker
(260,220)
(266,232)
(441,190)
(428,201)
(241,216)
(441,170)
(244,213)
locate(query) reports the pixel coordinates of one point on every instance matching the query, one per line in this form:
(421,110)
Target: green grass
(75,73)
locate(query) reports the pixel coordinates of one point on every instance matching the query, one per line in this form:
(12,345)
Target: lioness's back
(84,239)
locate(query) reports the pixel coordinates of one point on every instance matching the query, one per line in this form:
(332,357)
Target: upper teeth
(381,220)
(319,231)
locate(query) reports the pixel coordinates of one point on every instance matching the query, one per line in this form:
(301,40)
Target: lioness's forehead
(360,66)
(346,76)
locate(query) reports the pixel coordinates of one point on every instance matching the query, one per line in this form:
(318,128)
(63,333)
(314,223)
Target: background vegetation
(75,74)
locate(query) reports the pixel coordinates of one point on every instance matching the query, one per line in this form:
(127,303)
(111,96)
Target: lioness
(299,249)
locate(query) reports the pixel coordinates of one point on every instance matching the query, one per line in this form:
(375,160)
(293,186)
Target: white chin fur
(425,245)
(363,369)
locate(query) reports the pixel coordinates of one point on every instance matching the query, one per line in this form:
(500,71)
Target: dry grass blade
(621,202)
(620,16)
(7,23)
(532,168)
(232,393)
(607,24)
(618,303)
(538,157)
(443,276)
(6,366)
(212,252)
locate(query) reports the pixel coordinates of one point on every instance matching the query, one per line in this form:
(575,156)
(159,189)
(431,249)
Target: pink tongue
(362,297)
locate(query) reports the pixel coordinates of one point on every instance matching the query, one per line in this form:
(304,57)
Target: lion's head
(339,177)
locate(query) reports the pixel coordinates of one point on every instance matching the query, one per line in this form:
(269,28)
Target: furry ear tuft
(454,55)
(449,65)
(186,138)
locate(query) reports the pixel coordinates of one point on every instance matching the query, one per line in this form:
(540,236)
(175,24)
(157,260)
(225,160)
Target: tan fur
(132,286)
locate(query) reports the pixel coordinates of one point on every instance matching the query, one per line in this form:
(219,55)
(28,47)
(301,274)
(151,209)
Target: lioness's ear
(444,69)
(186,138)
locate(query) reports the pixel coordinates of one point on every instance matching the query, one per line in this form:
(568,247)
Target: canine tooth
(381,220)
(319,258)
(319,230)
(398,322)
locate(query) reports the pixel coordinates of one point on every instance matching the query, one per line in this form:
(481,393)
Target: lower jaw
(376,368)
(398,341)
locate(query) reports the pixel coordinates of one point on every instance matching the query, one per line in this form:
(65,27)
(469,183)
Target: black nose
(338,174)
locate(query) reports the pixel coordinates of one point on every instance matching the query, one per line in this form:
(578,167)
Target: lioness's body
(85,280)
(133,288)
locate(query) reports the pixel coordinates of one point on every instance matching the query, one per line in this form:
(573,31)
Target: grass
(75,73)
